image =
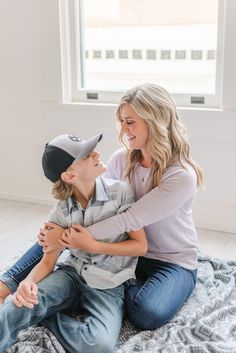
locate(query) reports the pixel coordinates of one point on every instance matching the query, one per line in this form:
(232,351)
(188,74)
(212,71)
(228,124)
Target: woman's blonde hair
(167,136)
(61,190)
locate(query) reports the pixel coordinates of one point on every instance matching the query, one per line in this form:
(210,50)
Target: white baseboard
(29,199)
(216,217)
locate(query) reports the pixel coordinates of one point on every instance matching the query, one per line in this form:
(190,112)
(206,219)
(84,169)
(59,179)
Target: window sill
(101,105)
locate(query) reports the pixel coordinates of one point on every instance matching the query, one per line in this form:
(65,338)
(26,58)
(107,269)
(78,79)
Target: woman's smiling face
(133,127)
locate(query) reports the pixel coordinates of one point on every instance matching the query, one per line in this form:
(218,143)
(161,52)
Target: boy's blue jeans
(65,289)
(162,290)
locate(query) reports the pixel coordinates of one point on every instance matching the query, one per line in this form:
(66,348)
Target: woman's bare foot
(4,292)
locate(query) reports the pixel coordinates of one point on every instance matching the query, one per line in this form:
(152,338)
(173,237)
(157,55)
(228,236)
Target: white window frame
(72,66)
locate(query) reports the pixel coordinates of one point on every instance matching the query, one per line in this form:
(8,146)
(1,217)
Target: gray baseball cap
(62,151)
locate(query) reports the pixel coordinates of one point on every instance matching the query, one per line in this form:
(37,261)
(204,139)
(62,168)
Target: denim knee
(151,305)
(145,317)
(76,336)
(95,338)
(104,344)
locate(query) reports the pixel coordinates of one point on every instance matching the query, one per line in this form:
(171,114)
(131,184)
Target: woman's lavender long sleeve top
(165,212)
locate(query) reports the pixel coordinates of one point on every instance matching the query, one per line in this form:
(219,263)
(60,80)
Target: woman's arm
(77,237)
(178,185)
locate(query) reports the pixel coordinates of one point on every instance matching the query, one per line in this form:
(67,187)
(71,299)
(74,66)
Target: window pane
(172,43)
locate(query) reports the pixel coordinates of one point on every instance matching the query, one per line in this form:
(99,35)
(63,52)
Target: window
(109,46)
(180,54)
(151,54)
(211,54)
(165,54)
(110,54)
(123,54)
(137,54)
(196,54)
(97,54)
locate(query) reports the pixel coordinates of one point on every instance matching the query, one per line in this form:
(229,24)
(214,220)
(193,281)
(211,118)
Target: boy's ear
(68,177)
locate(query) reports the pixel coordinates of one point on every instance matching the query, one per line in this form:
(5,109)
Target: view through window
(170,42)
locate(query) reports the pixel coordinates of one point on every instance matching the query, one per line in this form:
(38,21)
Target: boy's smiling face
(89,167)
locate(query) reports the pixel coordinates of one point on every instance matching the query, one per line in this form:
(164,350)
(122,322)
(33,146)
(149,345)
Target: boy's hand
(77,237)
(49,236)
(26,294)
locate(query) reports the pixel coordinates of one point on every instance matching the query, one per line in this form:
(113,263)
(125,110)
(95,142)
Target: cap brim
(89,145)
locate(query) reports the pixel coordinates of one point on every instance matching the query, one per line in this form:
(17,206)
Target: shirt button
(85,268)
(95,263)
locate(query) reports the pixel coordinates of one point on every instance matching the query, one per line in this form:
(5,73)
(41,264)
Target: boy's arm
(26,294)
(52,230)
(44,267)
(78,237)
(49,235)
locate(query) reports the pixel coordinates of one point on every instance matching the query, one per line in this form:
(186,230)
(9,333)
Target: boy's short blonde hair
(61,190)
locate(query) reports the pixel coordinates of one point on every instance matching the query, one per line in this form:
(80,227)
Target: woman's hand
(26,294)
(77,237)
(49,236)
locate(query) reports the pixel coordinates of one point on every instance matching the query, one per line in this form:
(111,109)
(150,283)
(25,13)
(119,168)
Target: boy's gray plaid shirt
(99,271)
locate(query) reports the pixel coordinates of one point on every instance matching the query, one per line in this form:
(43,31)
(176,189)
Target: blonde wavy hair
(61,190)
(167,136)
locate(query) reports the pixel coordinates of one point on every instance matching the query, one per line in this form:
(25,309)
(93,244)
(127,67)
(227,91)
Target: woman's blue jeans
(161,290)
(96,330)
(22,267)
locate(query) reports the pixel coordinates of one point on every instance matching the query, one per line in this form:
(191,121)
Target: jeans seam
(134,301)
(28,265)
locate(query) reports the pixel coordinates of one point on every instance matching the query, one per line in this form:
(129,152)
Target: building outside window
(122,43)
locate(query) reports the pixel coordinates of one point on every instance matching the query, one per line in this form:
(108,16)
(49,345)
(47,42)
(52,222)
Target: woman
(164,179)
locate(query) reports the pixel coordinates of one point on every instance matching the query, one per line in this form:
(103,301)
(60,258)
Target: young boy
(88,282)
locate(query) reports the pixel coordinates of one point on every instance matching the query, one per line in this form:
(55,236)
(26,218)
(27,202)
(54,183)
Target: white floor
(20,222)
(19,225)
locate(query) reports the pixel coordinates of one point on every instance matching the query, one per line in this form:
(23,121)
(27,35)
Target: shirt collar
(72,204)
(100,191)
(99,195)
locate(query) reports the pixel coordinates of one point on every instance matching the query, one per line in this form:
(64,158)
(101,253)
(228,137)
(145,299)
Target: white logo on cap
(74,138)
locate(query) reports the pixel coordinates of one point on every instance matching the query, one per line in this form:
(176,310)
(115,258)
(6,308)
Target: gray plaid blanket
(206,323)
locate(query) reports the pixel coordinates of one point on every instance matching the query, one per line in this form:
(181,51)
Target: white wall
(31,114)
